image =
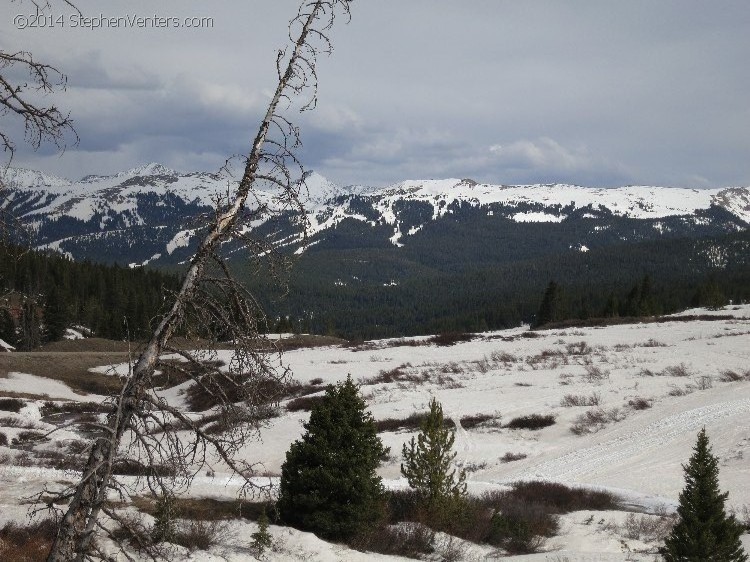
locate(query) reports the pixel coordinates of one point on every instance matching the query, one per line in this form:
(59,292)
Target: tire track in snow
(653,435)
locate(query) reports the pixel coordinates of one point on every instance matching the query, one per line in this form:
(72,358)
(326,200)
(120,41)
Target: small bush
(595,374)
(3,439)
(651,343)
(131,467)
(29,437)
(469,422)
(564,499)
(303,403)
(595,420)
(198,534)
(27,543)
(22,423)
(11,404)
(64,408)
(410,540)
(316,381)
(579,400)
(398,374)
(521,529)
(704,382)
(510,457)
(677,391)
(533,422)
(648,528)
(680,370)
(639,403)
(579,348)
(503,357)
(411,423)
(450,338)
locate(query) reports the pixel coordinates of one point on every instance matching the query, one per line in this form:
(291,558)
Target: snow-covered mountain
(150,213)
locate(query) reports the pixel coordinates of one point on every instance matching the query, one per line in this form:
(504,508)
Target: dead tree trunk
(78,525)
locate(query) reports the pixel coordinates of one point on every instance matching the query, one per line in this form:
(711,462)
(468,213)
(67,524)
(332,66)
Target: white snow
(6,346)
(71,334)
(506,374)
(537,217)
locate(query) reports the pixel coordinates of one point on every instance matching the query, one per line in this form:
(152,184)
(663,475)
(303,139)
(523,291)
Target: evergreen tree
(30,333)
(328,482)
(262,539)
(549,309)
(7,327)
(55,316)
(704,532)
(427,461)
(165,518)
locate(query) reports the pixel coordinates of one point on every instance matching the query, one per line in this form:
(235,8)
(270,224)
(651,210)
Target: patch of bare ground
(70,368)
(209,509)
(616,321)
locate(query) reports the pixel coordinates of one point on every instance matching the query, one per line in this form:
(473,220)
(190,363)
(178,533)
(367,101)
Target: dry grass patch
(69,368)
(29,542)
(209,509)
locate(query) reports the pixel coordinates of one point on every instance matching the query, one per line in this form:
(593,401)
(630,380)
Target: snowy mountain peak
(25,178)
(151,169)
(318,189)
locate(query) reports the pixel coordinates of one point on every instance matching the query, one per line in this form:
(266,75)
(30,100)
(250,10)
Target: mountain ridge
(156,202)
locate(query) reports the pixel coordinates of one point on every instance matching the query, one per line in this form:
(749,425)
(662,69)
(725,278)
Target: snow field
(675,365)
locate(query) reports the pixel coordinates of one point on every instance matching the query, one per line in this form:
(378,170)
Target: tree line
(43,293)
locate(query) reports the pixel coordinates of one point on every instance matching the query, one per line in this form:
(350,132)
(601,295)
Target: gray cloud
(595,93)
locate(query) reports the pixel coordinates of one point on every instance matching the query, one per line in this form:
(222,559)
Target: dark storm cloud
(596,93)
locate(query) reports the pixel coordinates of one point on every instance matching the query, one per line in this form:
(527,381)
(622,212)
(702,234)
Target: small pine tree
(165,519)
(704,531)
(262,539)
(328,483)
(427,461)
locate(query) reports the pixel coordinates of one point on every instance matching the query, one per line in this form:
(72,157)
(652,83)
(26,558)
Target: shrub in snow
(533,422)
(328,483)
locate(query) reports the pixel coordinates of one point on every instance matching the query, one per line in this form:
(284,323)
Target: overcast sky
(592,92)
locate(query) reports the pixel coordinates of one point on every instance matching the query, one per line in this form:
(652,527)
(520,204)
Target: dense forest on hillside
(372,291)
(342,292)
(42,293)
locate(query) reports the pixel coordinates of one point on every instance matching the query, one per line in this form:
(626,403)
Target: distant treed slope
(418,256)
(430,300)
(112,301)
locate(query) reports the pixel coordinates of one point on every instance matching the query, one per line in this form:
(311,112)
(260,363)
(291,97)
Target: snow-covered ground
(676,367)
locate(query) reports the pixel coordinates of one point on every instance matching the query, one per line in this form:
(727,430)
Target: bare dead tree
(24,85)
(143,427)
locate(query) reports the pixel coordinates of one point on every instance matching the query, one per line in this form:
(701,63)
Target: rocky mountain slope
(152,214)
